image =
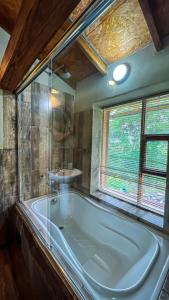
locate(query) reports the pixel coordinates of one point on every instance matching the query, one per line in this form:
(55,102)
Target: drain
(61,227)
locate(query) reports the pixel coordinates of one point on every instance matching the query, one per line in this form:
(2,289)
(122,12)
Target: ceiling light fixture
(121,73)
(54,91)
(111,82)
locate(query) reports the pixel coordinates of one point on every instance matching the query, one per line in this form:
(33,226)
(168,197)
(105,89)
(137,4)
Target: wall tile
(39,183)
(82,147)
(8,162)
(35,141)
(9,123)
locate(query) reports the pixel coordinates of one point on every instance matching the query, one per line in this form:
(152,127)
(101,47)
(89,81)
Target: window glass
(121,167)
(157,116)
(156,155)
(153,193)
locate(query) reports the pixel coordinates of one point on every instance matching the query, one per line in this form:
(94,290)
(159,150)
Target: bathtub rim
(103,206)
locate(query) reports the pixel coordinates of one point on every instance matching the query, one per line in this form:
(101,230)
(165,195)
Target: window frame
(143,170)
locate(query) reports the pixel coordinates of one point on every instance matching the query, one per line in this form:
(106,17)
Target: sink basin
(64,175)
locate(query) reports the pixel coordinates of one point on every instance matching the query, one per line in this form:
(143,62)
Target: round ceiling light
(121,73)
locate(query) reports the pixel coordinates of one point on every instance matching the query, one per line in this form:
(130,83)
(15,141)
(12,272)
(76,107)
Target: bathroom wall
(149,75)
(33,140)
(8,160)
(82,148)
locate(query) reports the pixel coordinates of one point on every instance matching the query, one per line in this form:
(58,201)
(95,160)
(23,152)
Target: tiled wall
(8,155)
(8,161)
(43,140)
(34,140)
(82,148)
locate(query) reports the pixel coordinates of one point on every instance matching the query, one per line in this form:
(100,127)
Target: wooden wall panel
(82,148)
(8,163)
(45,137)
(34,140)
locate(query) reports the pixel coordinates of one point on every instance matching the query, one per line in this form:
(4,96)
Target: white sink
(64,175)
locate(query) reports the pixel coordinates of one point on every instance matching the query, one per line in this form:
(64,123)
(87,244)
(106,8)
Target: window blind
(134,152)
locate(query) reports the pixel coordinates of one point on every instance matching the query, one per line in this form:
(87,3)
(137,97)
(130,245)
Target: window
(134,154)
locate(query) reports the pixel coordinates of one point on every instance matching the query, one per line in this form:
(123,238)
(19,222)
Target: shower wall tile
(82,147)
(40,105)
(39,183)
(8,162)
(35,94)
(46,139)
(34,140)
(40,147)
(25,125)
(57,157)
(8,156)
(9,122)
(26,184)
(26,94)
(25,154)
(44,148)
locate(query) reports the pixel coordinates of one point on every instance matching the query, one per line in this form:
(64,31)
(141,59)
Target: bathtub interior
(113,253)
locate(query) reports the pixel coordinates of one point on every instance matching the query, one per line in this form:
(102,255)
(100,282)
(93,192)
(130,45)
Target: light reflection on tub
(112,253)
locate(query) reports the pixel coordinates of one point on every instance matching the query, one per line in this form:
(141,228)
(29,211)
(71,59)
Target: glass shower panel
(62,96)
(34,149)
(34,134)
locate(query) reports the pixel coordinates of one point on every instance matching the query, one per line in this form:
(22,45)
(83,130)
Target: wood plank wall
(83,148)
(33,140)
(41,138)
(8,162)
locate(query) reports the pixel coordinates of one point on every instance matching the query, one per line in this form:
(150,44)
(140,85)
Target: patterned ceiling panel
(120,32)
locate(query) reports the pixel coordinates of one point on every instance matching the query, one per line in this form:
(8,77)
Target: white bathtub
(114,255)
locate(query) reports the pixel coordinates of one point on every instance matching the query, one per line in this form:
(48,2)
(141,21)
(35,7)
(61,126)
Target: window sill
(137,213)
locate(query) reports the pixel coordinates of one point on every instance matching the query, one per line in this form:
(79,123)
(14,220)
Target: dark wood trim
(104,150)
(153,172)
(36,24)
(151,24)
(166,208)
(156,137)
(142,152)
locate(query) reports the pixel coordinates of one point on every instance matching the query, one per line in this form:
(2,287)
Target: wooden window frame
(144,138)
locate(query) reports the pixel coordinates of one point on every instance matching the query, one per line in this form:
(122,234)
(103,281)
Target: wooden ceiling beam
(85,46)
(90,52)
(92,55)
(9,10)
(36,24)
(150,23)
